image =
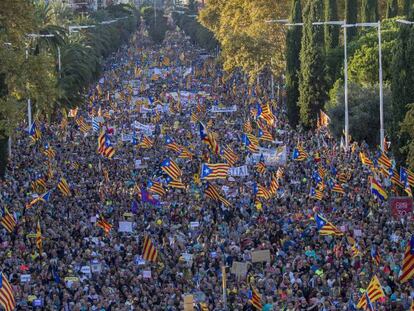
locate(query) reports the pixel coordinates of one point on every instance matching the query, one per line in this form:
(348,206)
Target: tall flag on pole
(146,143)
(177,184)
(325,227)
(45,197)
(407,270)
(7,300)
(155,187)
(149,252)
(373,293)
(171,144)
(214,171)
(376,257)
(261,166)
(7,220)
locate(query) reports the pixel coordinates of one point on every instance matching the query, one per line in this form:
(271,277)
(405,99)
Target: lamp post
(381,92)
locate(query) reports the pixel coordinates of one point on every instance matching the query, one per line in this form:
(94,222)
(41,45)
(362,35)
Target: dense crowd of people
(148,94)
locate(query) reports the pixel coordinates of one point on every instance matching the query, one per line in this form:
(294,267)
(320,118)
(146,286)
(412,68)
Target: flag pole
(224,281)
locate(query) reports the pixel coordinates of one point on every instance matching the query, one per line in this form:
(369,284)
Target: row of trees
(311,58)
(29,64)
(155,22)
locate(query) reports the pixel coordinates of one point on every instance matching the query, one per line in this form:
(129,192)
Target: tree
(363,53)
(401,86)
(331,31)
(364,122)
(247,42)
(293,46)
(369,11)
(351,15)
(407,7)
(392,8)
(312,88)
(407,129)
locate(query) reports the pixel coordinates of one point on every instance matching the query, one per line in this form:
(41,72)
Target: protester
(80,267)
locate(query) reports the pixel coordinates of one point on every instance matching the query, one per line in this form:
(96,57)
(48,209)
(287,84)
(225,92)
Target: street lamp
(77,27)
(339,23)
(378,25)
(403,21)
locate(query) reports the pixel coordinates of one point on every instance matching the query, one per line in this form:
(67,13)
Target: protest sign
(401,207)
(239,269)
(238,171)
(260,256)
(125,226)
(188,303)
(217,109)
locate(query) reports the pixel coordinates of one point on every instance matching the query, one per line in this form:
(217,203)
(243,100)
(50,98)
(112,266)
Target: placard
(188,303)
(146,274)
(194,224)
(86,269)
(239,269)
(401,207)
(25,278)
(260,256)
(125,226)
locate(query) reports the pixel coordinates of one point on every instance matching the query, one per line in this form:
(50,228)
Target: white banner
(272,157)
(239,171)
(126,137)
(146,128)
(217,109)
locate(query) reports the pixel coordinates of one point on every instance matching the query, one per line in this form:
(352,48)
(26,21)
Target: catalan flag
(214,171)
(171,169)
(338,188)
(373,293)
(266,114)
(105,147)
(45,197)
(255,299)
(265,135)
(274,184)
(229,155)
(325,227)
(177,184)
(395,177)
(7,300)
(299,154)
(149,252)
(34,132)
(251,142)
(102,223)
(261,166)
(213,193)
(171,144)
(365,160)
(146,143)
(83,126)
(378,190)
(407,270)
(49,151)
(7,220)
(316,194)
(323,120)
(406,176)
(354,251)
(155,187)
(375,256)
(39,185)
(247,126)
(39,239)
(384,161)
(261,192)
(63,187)
(185,154)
